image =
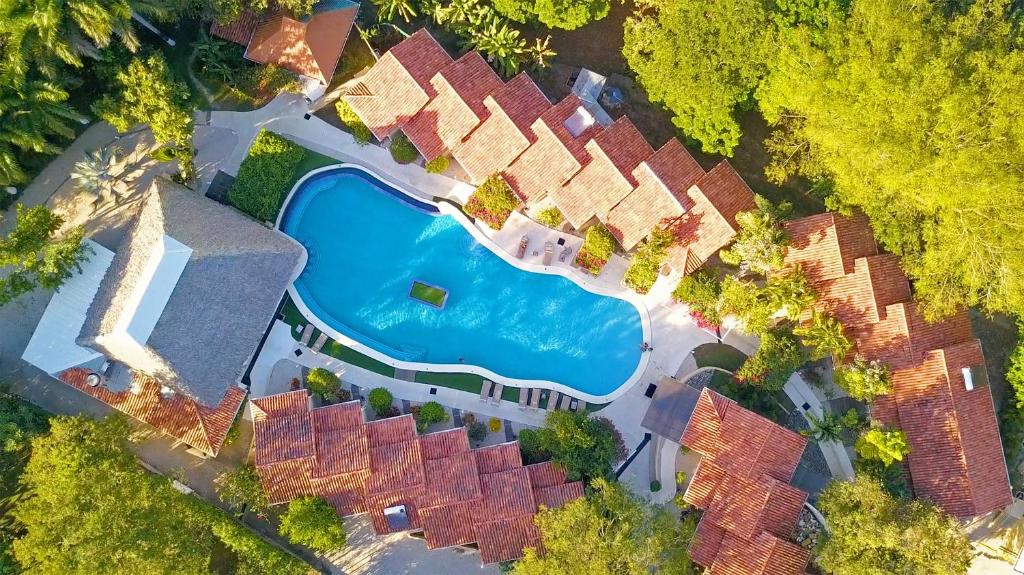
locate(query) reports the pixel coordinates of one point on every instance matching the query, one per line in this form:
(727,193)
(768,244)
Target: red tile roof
(505,133)
(178,416)
(456,495)
(826,245)
(742,484)
(398,85)
(555,154)
(608,178)
(660,196)
(456,108)
(239,31)
(711,223)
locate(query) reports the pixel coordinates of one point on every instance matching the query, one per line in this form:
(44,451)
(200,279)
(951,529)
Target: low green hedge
(264,176)
(438,165)
(254,554)
(402,149)
(352,123)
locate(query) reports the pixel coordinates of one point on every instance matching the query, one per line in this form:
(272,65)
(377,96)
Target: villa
(432,483)
(163,329)
(593,169)
(940,396)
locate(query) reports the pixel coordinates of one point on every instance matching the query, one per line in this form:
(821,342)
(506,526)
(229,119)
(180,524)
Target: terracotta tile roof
(763,555)
(309,48)
(711,223)
(456,495)
(903,336)
(505,133)
(659,197)
(504,540)
(862,296)
(555,154)
(239,31)
(456,108)
(398,85)
(706,542)
(608,178)
(826,245)
(193,423)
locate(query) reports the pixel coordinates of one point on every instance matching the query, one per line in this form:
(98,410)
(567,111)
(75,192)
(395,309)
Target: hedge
(402,149)
(265,175)
(254,554)
(352,123)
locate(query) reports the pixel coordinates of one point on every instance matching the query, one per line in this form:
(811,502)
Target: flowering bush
(591,263)
(492,202)
(703,322)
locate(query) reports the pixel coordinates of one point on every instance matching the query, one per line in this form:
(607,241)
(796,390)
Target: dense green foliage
(760,243)
(1011,417)
(255,556)
(227,11)
(323,382)
(19,423)
(428,414)
(476,430)
(147,92)
(222,62)
(911,109)
(380,400)
(598,246)
(610,532)
(565,14)
(312,522)
(529,446)
(646,261)
(824,336)
(242,491)
(871,532)
(264,175)
(33,255)
(402,150)
(863,380)
(830,426)
(438,165)
(887,446)
(551,217)
(492,202)
(700,291)
(34,116)
(586,447)
(388,9)
(778,356)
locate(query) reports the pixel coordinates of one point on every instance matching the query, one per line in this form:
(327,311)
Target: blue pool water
(367,243)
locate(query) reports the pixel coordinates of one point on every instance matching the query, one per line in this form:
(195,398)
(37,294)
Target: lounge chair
(565,254)
(582,407)
(563,402)
(320,341)
(549,252)
(485,391)
(535,398)
(523,243)
(496,394)
(306,334)
(573,403)
(553,401)
(524,396)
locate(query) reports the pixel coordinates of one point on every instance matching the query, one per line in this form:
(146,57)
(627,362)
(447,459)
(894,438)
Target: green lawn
(429,294)
(310,162)
(719,355)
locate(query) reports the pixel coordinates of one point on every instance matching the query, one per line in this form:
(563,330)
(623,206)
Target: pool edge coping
(446,209)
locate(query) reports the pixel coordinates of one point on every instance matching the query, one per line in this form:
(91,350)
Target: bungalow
(433,483)
(399,85)
(940,396)
(742,484)
(310,47)
(163,329)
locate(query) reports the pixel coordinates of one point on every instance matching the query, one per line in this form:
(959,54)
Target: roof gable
(826,245)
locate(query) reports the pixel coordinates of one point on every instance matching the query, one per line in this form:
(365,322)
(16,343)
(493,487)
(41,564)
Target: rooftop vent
(166,392)
(93,380)
(579,122)
(974,376)
(397,518)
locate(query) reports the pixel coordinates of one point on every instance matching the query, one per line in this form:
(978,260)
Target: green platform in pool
(428,294)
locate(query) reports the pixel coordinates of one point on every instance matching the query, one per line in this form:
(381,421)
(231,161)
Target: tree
(323,382)
(701,292)
(20,421)
(777,357)
(312,522)
(380,400)
(492,202)
(886,446)
(242,491)
(428,414)
(830,427)
(610,531)
(570,14)
(702,60)
(790,293)
(824,336)
(864,380)
(33,115)
(892,104)
(388,9)
(586,447)
(760,244)
(36,256)
(147,92)
(870,531)
(529,446)
(646,262)
(82,482)
(228,11)
(99,172)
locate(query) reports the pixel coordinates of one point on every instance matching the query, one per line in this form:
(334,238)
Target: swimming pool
(367,243)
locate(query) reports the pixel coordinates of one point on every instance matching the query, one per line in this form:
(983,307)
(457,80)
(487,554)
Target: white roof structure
(588,87)
(52,347)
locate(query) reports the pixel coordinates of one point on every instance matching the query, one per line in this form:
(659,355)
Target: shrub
(824,336)
(261,83)
(655,486)
(586,447)
(864,380)
(380,400)
(747,302)
(492,202)
(680,478)
(438,165)
(494,424)
(885,446)
(323,383)
(264,175)
(352,123)
(778,356)
(391,411)
(312,522)
(646,263)
(551,217)
(254,554)
(476,431)
(761,242)
(700,292)
(598,245)
(402,149)
(529,445)
(430,413)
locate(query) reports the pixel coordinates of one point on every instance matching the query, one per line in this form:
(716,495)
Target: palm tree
(388,9)
(99,172)
(824,335)
(830,427)
(540,53)
(501,44)
(32,115)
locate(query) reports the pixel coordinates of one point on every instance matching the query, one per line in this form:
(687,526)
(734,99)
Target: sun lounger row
(491,392)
